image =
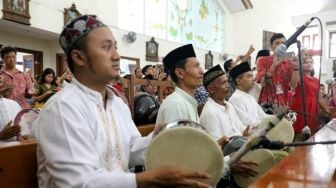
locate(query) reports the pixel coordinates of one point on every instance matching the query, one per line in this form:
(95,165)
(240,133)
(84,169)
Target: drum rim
(177,123)
(242,181)
(218,152)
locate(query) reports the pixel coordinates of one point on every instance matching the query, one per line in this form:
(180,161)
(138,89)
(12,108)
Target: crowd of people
(93,128)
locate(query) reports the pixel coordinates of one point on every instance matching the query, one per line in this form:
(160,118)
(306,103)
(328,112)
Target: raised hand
(295,61)
(250,50)
(223,141)
(9,131)
(246,132)
(49,92)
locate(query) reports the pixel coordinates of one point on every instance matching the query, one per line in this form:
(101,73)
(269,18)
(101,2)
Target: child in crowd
(46,87)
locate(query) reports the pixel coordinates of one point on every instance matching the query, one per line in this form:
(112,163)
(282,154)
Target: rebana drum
(265,160)
(188,148)
(283,131)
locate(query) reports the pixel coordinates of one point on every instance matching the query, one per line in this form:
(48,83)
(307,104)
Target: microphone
(255,139)
(281,49)
(306,132)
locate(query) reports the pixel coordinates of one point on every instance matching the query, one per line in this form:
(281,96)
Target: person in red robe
(312,95)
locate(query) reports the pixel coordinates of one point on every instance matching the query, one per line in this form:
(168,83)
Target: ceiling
(302,7)
(235,5)
(292,7)
(26,30)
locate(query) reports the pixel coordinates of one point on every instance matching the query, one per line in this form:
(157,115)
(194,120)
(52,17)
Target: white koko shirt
(247,108)
(221,120)
(83,144)
(178,105)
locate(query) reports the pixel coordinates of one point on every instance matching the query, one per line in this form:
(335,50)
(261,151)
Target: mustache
(116,63)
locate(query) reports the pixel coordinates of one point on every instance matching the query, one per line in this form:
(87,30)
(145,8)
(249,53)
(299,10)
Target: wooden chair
(18,162)
(130,82)
(18,165)
(133,82)
(146,129)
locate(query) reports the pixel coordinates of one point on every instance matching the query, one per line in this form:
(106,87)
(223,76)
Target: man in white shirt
(186,72)
(85,134)
(247,108)
(219,117)
(8,111)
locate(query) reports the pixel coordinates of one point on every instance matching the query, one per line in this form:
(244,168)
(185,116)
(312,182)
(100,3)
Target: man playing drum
(85,133)
(219,117)
(186,72)
(247,108)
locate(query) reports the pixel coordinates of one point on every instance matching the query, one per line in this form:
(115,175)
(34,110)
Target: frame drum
(265,160)
(25,120)
(188,148)
(283,131)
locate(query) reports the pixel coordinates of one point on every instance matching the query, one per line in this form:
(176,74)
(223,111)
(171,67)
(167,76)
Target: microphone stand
(256,139)
(265,143)
(304,108)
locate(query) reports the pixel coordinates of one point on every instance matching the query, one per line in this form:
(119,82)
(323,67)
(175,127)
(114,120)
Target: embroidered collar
(95,95)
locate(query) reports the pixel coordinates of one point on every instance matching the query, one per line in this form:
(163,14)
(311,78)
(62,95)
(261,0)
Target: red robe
(311,92)
(281,76)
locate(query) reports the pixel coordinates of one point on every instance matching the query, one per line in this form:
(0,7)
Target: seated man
(229,64)
(186,72)
(146,103)
(148,70)
(91,140)
(8,110)
(247,108)
(219,117)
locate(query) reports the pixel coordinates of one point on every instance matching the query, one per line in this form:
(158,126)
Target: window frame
(331,34)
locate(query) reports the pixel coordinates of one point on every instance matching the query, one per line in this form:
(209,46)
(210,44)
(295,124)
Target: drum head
(283,131)
(265,160)
(187,148)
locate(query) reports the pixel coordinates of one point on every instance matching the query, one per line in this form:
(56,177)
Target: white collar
(220,106)
(95,95)
(186,96)
(242,92)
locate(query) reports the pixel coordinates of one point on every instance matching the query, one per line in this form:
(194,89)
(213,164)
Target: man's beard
(10,66)
(89,62)
(94,72)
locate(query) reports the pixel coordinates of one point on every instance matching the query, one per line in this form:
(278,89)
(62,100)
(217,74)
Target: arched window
(200,22)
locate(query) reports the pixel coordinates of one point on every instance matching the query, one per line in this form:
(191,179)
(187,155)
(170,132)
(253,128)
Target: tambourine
(283,131)
(263,158)
(25,120)
(186,145)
